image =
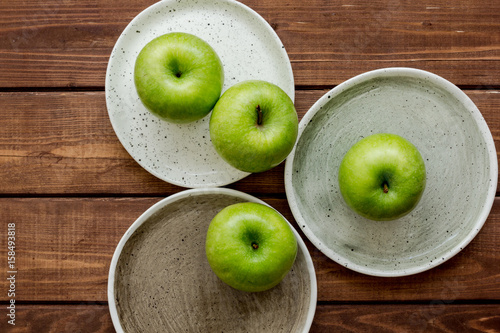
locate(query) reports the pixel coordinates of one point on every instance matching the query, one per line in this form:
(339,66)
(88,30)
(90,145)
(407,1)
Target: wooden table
(71,189)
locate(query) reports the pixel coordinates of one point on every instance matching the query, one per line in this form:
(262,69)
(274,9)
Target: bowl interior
(163,281)
(457,149)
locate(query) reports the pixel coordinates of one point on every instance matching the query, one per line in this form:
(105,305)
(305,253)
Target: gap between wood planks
(297,87)
(319,303)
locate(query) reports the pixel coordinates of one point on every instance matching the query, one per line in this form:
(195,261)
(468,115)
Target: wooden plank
(63,143)
(64,248)
(57,43)
(75,318)
(436,316)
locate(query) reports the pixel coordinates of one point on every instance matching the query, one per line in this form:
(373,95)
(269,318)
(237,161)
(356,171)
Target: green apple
(382,177)
(254,125)
(178,77)
(250,246)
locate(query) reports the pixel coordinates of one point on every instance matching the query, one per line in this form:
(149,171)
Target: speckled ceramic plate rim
(287,85)
(394,72)
(196,192)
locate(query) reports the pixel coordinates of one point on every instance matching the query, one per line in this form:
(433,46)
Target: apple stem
(255,246)
(386,188)
(259,115)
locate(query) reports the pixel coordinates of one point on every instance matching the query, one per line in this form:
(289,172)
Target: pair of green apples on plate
(254,126)
(179,77)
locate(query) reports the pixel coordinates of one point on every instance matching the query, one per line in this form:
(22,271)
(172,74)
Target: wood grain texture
(72,190)
(65,247)
(63,143)
(74,318)
(435,316)
(58,43)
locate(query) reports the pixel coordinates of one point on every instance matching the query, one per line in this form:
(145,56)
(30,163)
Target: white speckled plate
(249,49)
(457,147)
(160,279)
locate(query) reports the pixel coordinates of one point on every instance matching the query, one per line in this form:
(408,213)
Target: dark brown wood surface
(73,190)
(58,43)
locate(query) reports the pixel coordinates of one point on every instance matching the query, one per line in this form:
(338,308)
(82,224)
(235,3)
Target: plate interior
(163,281)
(446,132)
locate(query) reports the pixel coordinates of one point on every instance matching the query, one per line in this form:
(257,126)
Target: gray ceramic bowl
(457,147)
(160,279)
